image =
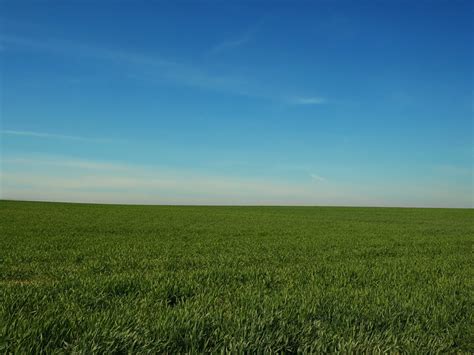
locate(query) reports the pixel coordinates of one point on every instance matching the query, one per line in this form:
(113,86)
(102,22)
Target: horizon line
(230,205)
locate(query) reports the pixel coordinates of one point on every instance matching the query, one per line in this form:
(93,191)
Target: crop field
(110,278)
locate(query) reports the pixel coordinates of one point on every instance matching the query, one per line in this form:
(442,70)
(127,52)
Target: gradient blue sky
(238,102)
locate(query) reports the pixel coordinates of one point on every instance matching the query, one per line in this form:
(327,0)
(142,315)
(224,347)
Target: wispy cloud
(316,177)
(316,100)
(230,44)
(52,136)
(151,67)
(37,160)
(77,180)
(71,179)
(239,40)
(233,43)
(155,68)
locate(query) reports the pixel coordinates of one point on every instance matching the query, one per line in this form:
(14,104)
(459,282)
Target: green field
(109,278)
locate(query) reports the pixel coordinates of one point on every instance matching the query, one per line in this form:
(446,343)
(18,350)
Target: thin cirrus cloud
(316,100)
(144,67)
(37,160)
(233,43)
(69,179)
(154,68)
(238,41)
(221,47)
(316,177)
(44,135)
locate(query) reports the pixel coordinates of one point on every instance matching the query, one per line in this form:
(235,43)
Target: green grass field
(109,278)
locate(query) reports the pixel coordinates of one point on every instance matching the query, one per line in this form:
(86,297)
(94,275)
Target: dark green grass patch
(104,278)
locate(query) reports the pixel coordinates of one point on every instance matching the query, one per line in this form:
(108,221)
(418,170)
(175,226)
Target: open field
(108,278)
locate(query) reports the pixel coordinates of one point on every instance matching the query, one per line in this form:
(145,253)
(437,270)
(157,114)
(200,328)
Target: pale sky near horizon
(364,103)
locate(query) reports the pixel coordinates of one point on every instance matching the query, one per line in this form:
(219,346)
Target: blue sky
(238,102)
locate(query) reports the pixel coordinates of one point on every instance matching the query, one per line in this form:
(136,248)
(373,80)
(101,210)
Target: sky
(349,103)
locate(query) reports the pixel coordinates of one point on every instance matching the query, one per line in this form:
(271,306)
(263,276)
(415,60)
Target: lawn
(115,278)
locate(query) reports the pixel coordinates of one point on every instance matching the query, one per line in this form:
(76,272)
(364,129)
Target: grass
(113,279)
